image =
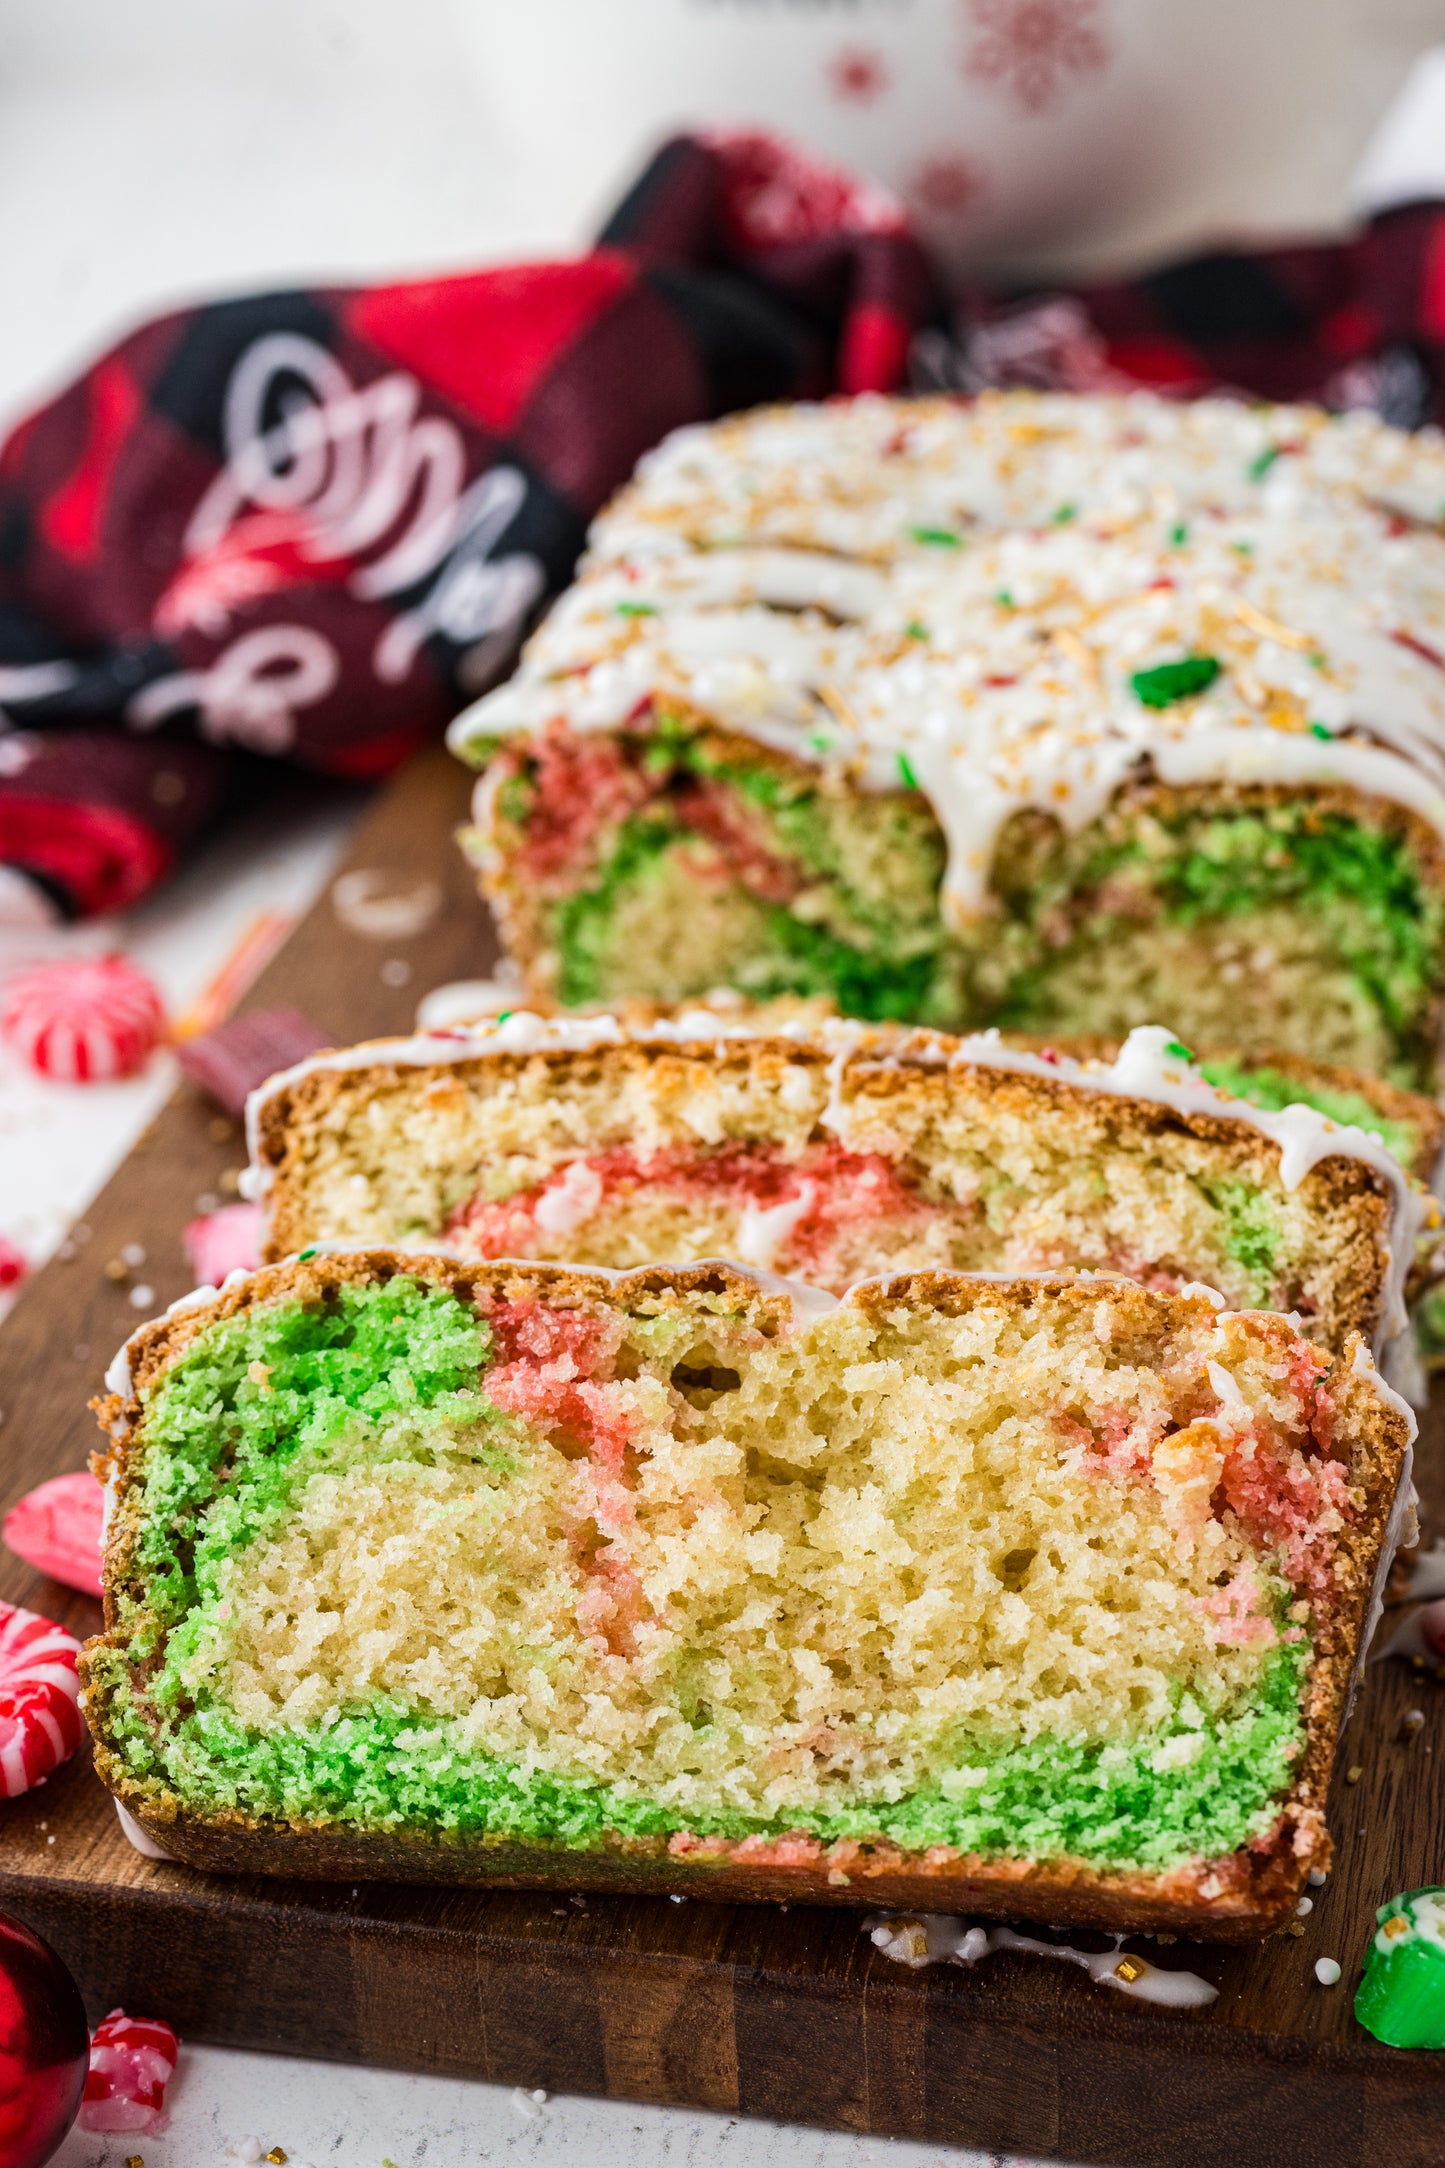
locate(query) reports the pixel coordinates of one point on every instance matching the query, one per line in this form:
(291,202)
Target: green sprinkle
(1316,661)
(942,538)
(1171,681)
(1261,464)
(915,631)
(635,609)
(503,1014)
(304,1254)
(1242,549)
(820,741)
(1004,599)
(905,769)
(1319,730)
(1065,513)
(1179,535)
(1178,1052)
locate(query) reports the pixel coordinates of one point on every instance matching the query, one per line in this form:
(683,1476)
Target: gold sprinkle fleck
(116,1269)
(1354,1773)
(1270,628)
(134,2160)
(260,1374)
(1295,1927)
(221,1131)
(1395,1926)
(1130,1968)
(277,2154)
(230,1181)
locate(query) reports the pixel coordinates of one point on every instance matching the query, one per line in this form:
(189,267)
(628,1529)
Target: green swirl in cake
(1025,1581)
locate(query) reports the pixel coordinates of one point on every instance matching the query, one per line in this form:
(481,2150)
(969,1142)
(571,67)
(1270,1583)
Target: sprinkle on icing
(1252,595)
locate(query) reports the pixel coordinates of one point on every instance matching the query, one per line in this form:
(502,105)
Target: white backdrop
(152,150)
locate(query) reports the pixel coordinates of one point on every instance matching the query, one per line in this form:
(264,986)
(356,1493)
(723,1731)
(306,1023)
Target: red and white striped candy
(40,1724)
(88,1018)
(59,1527)
(131,2063)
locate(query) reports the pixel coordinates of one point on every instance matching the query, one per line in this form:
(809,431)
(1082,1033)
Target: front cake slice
(1024,1598)
(832,1153)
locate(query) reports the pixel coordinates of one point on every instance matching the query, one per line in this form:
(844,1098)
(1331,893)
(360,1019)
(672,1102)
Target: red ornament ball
(83,1020)
(44,2047)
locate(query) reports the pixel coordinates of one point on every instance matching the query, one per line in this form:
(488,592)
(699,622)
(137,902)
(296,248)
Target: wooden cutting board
(753,2010)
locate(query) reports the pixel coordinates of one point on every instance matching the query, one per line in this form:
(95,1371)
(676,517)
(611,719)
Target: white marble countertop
(325,2117)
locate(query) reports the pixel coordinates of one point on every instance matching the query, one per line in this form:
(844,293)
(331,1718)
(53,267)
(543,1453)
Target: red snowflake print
(1032,47)
(775,195)
(946,183)
(857,74)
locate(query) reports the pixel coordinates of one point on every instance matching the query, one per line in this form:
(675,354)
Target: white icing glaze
(462,1001)
(134,1834)
(1150,1065)
(939,1938)
(785,573)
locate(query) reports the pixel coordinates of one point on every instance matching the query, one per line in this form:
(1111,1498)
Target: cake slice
(1046,713)
(832,1152)
(1038,1598)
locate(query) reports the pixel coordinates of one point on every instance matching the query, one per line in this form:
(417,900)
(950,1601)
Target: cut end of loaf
(1045,1591)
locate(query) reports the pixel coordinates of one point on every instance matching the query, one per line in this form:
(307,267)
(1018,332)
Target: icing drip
(963,597)
(134,1835)
(938,1938)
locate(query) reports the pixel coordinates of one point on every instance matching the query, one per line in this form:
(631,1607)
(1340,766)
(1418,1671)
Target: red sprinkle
(1418,647)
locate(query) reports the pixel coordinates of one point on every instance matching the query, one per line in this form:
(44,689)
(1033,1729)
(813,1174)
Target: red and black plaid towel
(312,525)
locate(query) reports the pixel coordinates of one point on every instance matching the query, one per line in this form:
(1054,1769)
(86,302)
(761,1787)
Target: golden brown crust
(907,1071)
(1235,1899)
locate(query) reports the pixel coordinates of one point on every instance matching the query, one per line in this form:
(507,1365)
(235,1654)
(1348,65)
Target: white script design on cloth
(356,487)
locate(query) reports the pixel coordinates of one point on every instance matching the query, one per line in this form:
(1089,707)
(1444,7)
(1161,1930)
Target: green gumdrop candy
(1401,1999)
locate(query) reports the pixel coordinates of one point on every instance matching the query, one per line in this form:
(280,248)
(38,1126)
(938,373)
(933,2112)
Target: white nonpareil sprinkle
(142,1297)
(1327,1970)
(1305,1906)
(250,2150)
(1318,1878)
(133,1254)
(527,2104)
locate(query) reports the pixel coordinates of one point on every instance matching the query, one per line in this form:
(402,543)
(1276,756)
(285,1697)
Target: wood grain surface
(751,2009)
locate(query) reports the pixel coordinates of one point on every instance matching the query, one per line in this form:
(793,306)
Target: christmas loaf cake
(1025,1597)
(1044,712)
(833,1151)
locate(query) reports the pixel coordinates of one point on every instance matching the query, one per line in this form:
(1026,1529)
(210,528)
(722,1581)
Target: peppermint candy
(59,1527)
(132,2060)
(40,1723)
(83,1020)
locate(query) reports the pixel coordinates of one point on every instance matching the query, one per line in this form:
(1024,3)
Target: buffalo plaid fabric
(312,525)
